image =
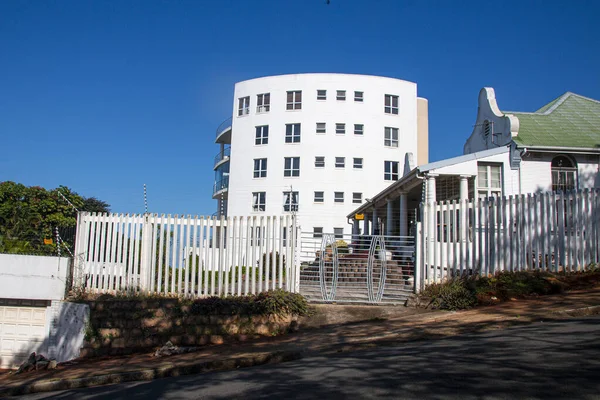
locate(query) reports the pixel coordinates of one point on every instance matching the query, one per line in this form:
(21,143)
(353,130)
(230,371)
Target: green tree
(28,215)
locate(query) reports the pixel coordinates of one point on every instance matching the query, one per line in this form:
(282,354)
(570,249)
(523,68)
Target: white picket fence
(545,231)
(185,256)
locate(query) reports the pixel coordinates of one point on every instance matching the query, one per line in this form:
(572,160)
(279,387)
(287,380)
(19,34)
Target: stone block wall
(119,327)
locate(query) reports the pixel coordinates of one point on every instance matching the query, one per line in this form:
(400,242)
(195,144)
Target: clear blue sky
(103,96)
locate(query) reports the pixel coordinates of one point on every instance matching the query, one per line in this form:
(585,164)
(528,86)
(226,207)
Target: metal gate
(360,269)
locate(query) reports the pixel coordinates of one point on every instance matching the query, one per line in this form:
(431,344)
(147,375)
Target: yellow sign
(47,241)
(359,217)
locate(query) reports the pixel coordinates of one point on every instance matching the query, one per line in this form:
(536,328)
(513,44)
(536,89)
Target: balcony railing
(222,155)
(224,126)
(220,185)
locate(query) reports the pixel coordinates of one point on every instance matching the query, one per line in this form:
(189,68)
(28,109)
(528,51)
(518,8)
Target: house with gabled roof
(508,153)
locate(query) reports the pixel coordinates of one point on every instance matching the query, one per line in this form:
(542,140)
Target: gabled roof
(570,120)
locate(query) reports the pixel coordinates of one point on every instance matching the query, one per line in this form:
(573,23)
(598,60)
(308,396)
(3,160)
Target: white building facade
(317,145)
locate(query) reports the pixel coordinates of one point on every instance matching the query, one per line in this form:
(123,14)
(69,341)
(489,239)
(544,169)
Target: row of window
(294,101)
(293,133)
(291,166)
(291,200)
(337,232)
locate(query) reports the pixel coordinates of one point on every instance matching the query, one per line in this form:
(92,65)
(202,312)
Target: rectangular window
(340,162)
(263,102)
(391,104)
(319,197)
(338,233)
(321,94)
(319,162)
(340,95)
(390,138)
(359,129)
(317,232)
(243,106)
(290,201)
(321,127)
(358,163)
(292,133)
(262,135)
(340,129)
(489,180)
(260,167)
(358,96)
(291,166)
(259,201)
(391,170)
(357,198)
(294,100)
(338,197)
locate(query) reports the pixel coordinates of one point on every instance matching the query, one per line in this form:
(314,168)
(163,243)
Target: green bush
(451,295)
(274,302)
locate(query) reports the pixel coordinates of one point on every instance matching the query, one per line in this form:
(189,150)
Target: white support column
(430,194)
(389,218)
(403,215)
(464,187)
(375,223)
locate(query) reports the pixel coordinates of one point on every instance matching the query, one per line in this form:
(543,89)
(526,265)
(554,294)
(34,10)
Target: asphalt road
(539,361)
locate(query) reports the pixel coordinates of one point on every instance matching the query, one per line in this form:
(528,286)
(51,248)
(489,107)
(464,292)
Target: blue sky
(104,96)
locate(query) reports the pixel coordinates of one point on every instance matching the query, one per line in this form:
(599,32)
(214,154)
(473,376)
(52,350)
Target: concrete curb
(149,374)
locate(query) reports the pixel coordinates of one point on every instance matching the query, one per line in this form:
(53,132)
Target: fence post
(418,258)
(145,257)
(296,261)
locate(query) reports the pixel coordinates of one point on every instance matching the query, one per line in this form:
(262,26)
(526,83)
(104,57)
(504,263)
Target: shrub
(451,295)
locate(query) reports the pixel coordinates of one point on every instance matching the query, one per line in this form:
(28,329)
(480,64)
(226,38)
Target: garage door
(22,331)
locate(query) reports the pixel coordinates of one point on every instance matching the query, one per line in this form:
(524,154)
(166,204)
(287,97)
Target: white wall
(537,171)
(369,146)
(67,329)
(33,277)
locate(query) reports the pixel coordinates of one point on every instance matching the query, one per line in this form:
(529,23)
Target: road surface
(558,360)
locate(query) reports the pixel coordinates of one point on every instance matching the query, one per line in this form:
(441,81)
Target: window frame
(321,96)
(388,137)
(321,130)
(338,197)
(263,103)
(388,175)
(319,199)
(357,199)
(359,96)
(261,136)
(361,131)
(256,201)
(295,103)
(291,171)
(359,164)
(564,173)
(486,191)
(319,161)
(317,232)
(291,201)
(340,162)
(243,105)
(340,128)
(260,168)
(340,95)
(389,107)
(292,135)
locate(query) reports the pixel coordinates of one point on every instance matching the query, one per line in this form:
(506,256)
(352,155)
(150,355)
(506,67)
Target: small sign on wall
(359,217)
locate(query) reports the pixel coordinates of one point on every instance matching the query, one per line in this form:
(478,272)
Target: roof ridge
(557,103)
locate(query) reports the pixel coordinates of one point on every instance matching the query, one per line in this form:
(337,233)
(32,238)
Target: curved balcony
(224,132)
(222,157)
(220,188)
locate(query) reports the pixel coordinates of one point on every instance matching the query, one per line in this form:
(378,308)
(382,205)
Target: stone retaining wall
(120,327)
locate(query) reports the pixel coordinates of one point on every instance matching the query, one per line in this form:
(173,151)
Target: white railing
(185,256)
(542,231)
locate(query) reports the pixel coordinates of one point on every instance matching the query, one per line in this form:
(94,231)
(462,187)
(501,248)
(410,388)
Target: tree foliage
(29,214)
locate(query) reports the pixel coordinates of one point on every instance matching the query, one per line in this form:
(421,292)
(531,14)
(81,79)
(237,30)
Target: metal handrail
(222,154)
(221,184)
(224,126)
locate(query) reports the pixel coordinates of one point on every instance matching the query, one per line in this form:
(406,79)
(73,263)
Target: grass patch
(467,292)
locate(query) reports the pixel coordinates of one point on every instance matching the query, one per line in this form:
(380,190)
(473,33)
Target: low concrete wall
(33,277)
(132,326)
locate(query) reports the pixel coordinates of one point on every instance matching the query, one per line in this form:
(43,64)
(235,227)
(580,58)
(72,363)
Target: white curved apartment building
(332,140)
